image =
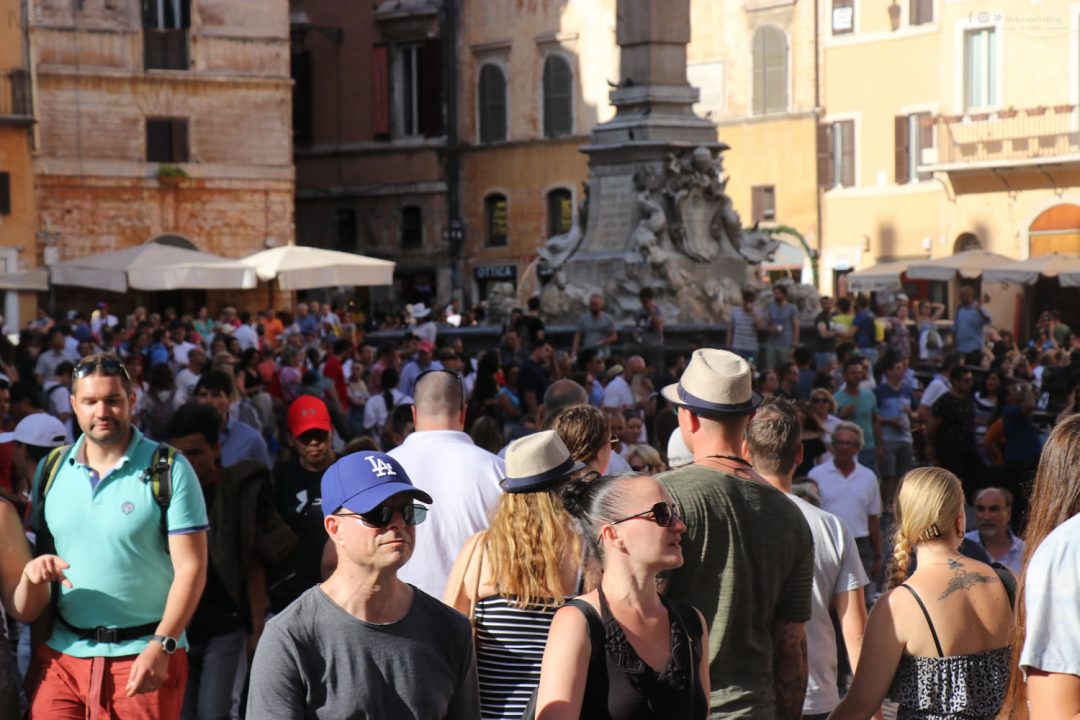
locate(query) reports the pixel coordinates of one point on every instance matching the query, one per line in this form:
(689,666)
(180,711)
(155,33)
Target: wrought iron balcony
(1004,138)
(15,96)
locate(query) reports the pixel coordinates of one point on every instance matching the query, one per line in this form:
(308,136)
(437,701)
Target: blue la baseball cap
(362,481)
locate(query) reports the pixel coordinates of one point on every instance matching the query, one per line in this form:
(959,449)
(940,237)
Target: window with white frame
(913,134)
(836,154)
(770,70)
(980,68)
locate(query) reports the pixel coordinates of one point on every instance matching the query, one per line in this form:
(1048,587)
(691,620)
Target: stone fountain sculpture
(656,213)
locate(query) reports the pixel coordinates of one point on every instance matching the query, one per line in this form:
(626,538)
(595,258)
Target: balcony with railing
(1006,138)
(15,106)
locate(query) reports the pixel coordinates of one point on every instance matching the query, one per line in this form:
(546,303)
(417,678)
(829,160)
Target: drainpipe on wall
(455,232)
(820,196)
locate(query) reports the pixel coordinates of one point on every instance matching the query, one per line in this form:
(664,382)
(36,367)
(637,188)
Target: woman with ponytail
(937,641)
(623,651)
(1046,639)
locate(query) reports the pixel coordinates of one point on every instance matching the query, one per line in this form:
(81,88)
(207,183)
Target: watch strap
(168,644)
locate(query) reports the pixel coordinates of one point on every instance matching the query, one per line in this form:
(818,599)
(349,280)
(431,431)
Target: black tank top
(627,688)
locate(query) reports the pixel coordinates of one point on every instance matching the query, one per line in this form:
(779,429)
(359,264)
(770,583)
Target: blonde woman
(511,578)
(937,644)
(645,459)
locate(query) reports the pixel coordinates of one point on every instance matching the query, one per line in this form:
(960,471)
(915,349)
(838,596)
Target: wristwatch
(168,644)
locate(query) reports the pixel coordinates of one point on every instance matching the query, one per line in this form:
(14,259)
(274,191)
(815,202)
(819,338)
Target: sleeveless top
(631,689)
(509,648)
(971,687)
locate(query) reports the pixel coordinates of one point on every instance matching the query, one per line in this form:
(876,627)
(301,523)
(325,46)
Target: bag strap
(49,470)
(679,611)
(159,475)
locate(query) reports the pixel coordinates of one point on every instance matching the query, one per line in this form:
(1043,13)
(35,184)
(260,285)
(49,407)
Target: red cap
(426,346)
(308,412)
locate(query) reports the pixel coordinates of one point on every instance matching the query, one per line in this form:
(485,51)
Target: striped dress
(509,648)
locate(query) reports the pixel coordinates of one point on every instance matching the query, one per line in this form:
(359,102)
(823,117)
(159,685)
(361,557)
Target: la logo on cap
(380,467)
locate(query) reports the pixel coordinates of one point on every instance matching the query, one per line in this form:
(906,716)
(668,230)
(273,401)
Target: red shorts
(69,688)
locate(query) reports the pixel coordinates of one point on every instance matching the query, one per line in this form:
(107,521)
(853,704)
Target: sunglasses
(819,400)
(381,516)
(106,366)
(662,513)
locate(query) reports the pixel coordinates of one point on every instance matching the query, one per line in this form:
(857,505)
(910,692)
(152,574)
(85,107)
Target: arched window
(412,226)
(770,70)
(491,97)
(560,207)
(558,97)
(497,220)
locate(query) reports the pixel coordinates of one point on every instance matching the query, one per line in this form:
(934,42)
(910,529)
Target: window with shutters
(980,68)
(5,193)
(491,98)
(836,154)
(560,207)
(166,140)
(165,25)
(922,12)
(770,71)
(843,17)
(412,226)
(558,96)
(496,215)
(418,82)
(763,203)
(913,134)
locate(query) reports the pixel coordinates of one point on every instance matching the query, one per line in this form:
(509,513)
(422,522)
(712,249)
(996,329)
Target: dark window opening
(167,140)
(763,203)
(412,226)
(558,97)
(5,193)
(492,104)
(165,25)
(345,230)
(301,105)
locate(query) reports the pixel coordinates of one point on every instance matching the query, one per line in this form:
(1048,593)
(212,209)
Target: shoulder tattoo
(963,580)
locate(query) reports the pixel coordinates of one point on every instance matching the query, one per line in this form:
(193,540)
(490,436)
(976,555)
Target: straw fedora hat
(537,462)
(716,382)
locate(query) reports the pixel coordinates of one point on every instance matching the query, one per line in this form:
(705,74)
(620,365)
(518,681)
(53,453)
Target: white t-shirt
(937,387)
(185,381)
(376,413)
(618,394)
(1051,589)
(463,481)
(247,336)
(59,398)
(180,352)
(853,498)
(427,331)
(837,569)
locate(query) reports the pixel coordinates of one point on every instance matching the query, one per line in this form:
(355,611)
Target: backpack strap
(49,470)
(159,475)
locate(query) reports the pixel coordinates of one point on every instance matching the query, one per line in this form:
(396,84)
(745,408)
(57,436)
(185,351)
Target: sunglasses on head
(106,366)
(456,376)
(381,516)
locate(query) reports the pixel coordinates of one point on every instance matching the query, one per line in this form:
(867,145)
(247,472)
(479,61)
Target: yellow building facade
(946,124)
(17,213)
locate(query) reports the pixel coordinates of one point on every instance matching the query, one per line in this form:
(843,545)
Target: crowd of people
(213,517)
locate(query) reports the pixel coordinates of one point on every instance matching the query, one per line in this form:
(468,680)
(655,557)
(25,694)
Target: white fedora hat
(716,382)
(537,462)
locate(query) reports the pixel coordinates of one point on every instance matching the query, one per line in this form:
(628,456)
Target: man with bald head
(462,479)
(993,511)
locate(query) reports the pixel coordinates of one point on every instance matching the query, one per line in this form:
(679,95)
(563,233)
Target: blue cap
(362,481)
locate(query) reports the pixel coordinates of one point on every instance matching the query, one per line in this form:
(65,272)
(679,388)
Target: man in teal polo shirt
(116,645)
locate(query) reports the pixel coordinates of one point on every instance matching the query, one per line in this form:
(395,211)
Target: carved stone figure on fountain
(558,249)
(703,216)
(645,243)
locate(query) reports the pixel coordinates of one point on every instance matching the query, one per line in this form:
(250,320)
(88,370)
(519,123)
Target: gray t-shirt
(781,316)
(315,660)
(593,330)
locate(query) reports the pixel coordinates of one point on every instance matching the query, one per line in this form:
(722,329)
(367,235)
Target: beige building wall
(993,169)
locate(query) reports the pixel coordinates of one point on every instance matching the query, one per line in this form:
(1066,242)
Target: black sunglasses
(107,367)
(662,513)
(381,516)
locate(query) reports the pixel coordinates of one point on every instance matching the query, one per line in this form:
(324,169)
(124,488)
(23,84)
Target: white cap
(40,429)
(677,452)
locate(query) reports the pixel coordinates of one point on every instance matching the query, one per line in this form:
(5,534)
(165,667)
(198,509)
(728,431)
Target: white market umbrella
(153,266)
(881,277)
(296,267)
(968,264)
(1027,272)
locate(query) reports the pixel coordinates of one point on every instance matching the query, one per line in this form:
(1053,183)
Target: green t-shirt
(748,560)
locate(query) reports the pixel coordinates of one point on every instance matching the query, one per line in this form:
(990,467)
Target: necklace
(731,458)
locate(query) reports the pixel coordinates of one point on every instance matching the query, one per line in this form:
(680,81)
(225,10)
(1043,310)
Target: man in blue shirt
(895,400)
(971,317)
(239,441)
(865,331)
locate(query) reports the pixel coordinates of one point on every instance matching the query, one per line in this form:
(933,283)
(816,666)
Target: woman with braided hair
(937,642)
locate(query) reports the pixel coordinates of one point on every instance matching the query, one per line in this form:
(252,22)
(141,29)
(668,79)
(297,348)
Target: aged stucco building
(162,118)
